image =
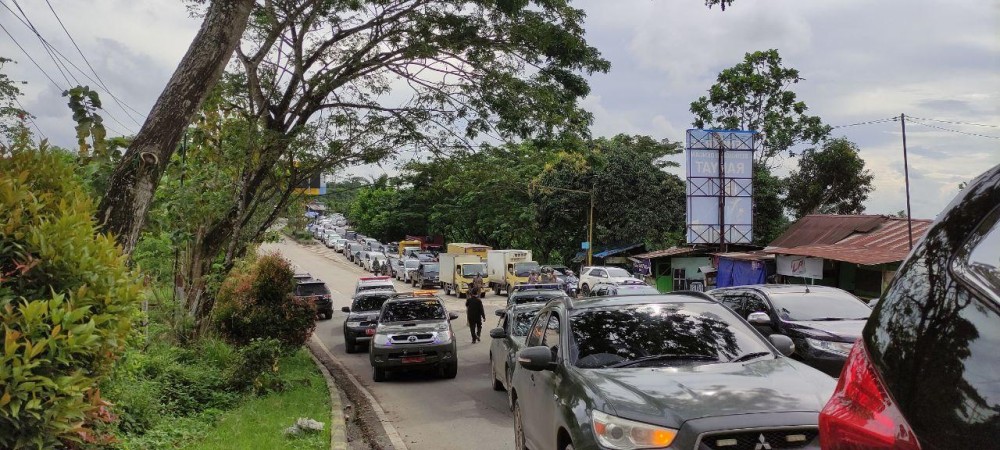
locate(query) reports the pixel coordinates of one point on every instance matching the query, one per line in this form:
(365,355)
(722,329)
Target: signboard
(799,266)
(585,245)
(720,186)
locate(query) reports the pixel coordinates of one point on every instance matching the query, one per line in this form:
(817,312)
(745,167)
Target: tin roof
(665,252)
(865,240)
(745,256)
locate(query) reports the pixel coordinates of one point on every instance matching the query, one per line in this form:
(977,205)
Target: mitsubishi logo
(762,444)
(413,339)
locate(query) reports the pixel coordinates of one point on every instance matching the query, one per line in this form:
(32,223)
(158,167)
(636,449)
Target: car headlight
(623,434)
(465,285)
(839,348)
(353,324)
(381,339)
(442,336)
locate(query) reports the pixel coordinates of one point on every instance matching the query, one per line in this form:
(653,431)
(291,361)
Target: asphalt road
(427,412)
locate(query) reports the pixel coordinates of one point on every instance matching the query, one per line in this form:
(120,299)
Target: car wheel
(449,370)
(461,295)
(518,428)
(585,290)
(350,345)
(497,384)
(447,290)
(378,374)
(568,447)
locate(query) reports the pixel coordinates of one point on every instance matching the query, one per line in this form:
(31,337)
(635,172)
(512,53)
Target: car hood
(842,330)
(421,326)
(669,396)
(624,279)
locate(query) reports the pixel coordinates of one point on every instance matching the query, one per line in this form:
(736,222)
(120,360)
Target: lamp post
(590,220)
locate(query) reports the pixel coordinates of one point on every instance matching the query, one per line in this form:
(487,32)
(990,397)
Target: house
(857,253)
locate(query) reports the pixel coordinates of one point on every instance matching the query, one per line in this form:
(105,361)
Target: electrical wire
(30,119)
(31,58)
(45,45)
(869,122)
(910,119)
(955,122)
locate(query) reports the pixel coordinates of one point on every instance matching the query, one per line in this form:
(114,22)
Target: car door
(755,302)
(547,384)
(499,349)
(527,389)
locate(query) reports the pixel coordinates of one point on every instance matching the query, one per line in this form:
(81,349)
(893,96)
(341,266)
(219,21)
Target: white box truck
(458,270)
(507,268)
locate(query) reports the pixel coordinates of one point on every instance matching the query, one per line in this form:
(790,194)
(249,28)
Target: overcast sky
(861,60)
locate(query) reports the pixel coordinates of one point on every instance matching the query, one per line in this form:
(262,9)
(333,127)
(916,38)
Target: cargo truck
(409,244)
(467,248)
(458,270)
(429,243)
(507,268)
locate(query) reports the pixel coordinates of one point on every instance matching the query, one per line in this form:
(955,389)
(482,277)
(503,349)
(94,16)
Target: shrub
(67,300)
(257,302)
(257,368)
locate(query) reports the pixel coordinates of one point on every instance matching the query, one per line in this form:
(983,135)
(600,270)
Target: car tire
(568,447)
(519,443)
(449,370)
(350,346)
(461,295)
(496,289)
(497,384)
(378,374)
(585,290)
(447,290)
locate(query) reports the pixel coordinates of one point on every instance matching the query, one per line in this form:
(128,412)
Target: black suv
(824,322)
(427,275)
(655,371)
(362,316)
(627,288)
(316,291)
(535,293)
(926,372)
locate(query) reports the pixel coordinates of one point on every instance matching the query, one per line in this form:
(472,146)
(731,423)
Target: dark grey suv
(657,371)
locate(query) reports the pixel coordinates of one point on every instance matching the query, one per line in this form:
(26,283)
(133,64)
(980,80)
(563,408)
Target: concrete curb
(338,432)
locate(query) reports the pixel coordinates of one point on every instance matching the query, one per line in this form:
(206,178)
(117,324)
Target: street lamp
(590,221)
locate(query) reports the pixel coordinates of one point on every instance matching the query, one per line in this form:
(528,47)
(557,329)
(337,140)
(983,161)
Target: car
(395,264)
(413,332)
(925,373)
(410,266)
(359,257)
(427,275)
(352,251)
(674,370)
(317,292)
(339,245)
(535,293)
(507,340)
(300,276)
(371,258)
(331,239)
(590,276)
(362,315)
(627,288)
(374,284)
(822,321)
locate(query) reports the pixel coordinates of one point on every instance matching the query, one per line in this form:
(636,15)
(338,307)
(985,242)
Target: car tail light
(861,414)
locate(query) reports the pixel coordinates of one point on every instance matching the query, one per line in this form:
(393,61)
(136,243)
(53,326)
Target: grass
(259,422)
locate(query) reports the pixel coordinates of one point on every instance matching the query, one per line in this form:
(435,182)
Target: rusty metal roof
(672,251)
(745,256)
(865,240)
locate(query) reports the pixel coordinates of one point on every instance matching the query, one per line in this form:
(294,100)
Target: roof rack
(537,286)
(373,278)
(415,294)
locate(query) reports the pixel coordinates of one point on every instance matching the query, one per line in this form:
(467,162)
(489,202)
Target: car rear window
(819,305)
(535,298)
(978,261)
(604,337)
(410,310)
(374,287)
(369,302)
(311,289)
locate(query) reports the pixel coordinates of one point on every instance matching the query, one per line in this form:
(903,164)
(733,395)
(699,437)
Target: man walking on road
(476,315)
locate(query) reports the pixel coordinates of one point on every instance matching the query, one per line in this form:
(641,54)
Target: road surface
(427,412)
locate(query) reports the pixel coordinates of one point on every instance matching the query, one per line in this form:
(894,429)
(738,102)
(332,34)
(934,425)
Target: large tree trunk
(123,208)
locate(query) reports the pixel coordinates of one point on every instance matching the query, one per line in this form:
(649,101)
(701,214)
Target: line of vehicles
(737,368)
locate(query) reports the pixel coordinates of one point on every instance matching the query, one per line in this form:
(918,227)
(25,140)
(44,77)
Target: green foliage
(12,117)
(376,210)
(722,3)
(256,301)
(154,253)
(832,180)
(257,368)
(67,301)
(84,103)
(769,219)
(755,95)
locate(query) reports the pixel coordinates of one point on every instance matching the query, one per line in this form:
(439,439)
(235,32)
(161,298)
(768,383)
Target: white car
(374,284)
(371,258)
(590,276)
(410,266)
(339,245)
(330,239)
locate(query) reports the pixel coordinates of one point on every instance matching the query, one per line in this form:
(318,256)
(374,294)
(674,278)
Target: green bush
(67,300)
(257,302)
(257,368)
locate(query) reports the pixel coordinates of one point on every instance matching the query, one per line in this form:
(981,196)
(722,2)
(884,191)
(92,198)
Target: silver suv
(414,332)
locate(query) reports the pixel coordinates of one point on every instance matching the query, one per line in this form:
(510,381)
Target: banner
(720,186)
(800,266)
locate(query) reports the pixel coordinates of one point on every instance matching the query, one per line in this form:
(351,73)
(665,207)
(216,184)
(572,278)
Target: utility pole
(906,175)
(722,192)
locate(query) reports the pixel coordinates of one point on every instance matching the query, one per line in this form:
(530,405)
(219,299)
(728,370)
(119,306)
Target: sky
(937,61)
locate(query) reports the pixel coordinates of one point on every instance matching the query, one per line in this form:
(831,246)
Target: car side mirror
(536,358)
(346,309)
(759,318)
(498,333)
(783,343)
(499,312)
(452,316)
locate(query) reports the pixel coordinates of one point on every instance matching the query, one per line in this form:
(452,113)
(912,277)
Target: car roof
(526,292)
(414,295)
(312,281)
(630,300)
(785,288)
(374,292)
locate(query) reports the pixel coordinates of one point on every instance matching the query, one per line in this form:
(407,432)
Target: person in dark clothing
(476,314)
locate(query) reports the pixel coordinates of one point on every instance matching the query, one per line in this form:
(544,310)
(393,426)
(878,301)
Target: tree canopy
(832,180)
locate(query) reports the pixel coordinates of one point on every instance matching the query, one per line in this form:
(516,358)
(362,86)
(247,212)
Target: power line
(869,122)
(29,56)
(45,45)
(953,131)
(30,119)
(120,103)
(955,122)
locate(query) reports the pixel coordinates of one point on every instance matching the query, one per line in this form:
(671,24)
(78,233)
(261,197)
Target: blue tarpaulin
(733,272)
(616,250)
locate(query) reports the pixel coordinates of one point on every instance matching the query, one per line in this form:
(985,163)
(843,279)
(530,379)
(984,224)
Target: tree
(832,180)
(123,208)
(12,117)
(769,219)
(754,95)
(722,3)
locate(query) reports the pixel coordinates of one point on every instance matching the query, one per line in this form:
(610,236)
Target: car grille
(399,355)
(405,338)
(760,439)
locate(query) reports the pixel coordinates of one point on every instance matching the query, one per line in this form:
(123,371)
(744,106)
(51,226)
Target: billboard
(720,186)
(799,266)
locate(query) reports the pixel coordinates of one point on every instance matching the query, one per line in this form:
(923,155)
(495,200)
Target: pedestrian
(533,276)
(476,314)
(476,288)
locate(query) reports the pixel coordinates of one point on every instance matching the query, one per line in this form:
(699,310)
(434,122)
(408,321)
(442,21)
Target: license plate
(370,331)
(413,359)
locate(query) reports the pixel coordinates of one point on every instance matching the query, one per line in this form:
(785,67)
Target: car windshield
(311,289)
(522,322)
(432,268)
(524,269)
(410,310)
(663,334)
(618,273)
(369,302)
(535,297)
(411,264)
(471,270)
(821,305)
(372,287)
